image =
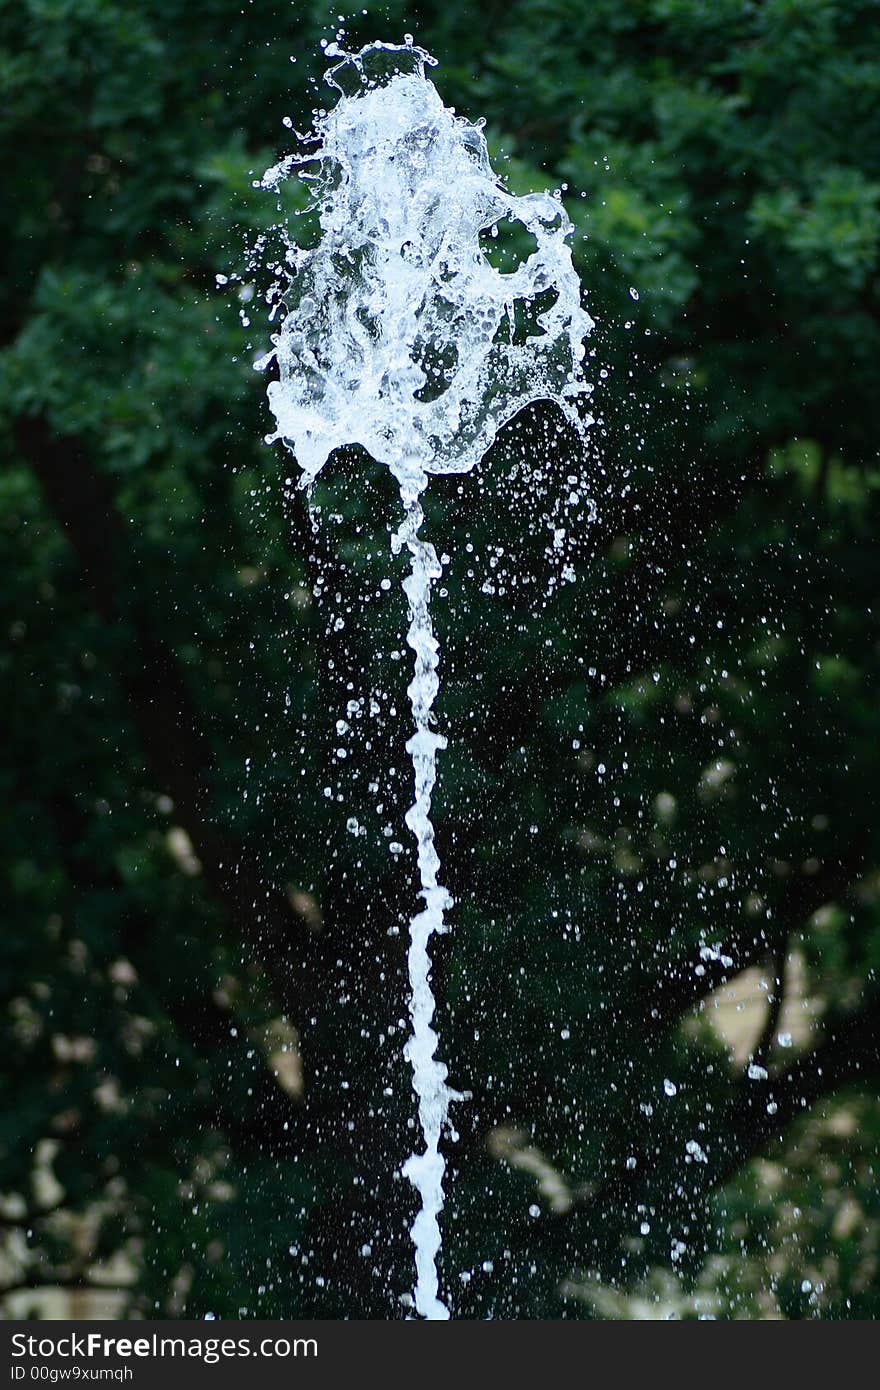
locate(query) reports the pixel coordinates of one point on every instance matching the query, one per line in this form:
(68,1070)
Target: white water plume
(403,335)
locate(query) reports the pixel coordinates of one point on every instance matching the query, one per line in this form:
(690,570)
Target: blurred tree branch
(174,744)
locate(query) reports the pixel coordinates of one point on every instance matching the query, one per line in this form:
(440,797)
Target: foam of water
(401,335)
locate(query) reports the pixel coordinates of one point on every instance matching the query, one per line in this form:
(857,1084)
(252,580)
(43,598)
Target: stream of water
(435,305)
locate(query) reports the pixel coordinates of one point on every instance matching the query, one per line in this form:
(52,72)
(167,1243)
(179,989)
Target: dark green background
(182,900)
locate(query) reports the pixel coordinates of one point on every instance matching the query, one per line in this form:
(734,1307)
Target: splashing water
(401,335)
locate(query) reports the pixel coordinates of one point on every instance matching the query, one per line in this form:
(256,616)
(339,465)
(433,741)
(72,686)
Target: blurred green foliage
(661,778)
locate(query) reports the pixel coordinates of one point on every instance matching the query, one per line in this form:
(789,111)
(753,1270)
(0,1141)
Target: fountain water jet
(401,335)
